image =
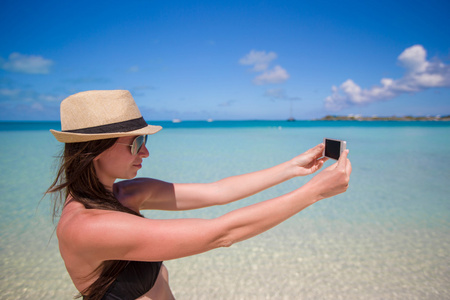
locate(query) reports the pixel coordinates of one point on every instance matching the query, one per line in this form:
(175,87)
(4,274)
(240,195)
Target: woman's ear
(98,157)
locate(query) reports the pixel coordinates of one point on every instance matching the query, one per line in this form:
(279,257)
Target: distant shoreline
(376,118)
(326,118)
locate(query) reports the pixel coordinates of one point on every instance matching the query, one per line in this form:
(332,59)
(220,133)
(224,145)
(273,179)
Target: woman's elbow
(225,243)
(223,239)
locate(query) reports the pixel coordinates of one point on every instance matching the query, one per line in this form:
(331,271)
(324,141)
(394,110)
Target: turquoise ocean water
(387,237)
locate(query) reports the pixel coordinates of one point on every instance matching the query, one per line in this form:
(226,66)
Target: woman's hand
(309,162)
(333,180)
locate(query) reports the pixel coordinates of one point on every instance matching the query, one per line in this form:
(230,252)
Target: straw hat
(97,115)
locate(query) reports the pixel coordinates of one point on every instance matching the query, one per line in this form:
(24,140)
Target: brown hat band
(125,126)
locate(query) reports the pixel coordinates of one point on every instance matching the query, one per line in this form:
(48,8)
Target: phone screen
(332,149)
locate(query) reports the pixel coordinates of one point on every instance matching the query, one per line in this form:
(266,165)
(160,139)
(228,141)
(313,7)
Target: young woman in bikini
(110,250)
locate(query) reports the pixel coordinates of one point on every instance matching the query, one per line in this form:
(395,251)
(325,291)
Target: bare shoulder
(75,222)
(88,233)
(89,236)
(139,193)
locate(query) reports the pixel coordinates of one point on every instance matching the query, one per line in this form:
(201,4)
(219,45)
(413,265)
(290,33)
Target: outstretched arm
(114,235)
(241,186)
(154,194)
(257,218)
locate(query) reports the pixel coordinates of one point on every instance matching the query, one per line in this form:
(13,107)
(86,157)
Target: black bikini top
(135,280)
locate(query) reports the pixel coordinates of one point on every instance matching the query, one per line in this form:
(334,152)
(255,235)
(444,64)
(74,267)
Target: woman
(109,249)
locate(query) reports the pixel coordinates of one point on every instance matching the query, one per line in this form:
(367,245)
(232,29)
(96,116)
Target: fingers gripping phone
(333,148)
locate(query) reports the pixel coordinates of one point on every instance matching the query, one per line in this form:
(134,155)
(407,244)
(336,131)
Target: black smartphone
(333,148)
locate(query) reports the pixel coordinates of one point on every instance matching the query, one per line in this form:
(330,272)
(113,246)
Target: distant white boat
(209,120)
(176,121)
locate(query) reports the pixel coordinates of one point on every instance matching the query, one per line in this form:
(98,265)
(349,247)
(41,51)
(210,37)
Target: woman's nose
(143,152)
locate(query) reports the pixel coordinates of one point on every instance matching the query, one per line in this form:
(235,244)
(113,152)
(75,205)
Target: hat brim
(69,137)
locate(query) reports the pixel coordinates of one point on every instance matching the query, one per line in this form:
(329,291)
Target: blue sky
(228,60)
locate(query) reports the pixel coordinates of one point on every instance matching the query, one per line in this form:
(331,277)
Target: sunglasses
(137,144)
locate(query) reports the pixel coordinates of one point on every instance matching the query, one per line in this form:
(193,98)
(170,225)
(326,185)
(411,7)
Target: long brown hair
(76,177)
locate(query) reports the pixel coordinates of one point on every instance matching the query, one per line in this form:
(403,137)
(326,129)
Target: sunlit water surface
(387,237)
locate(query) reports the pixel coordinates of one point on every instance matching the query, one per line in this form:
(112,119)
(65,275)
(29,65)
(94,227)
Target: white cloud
(133,69)
(414,59)
(9,92)
(37,106)
(26,96)
(279,94)
(420,74)
(276,75)
(48,98)
(227,103)
(30,64)
(275,93)
(260,60)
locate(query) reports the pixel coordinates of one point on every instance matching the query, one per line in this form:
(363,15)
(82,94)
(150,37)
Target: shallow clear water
(387,237)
